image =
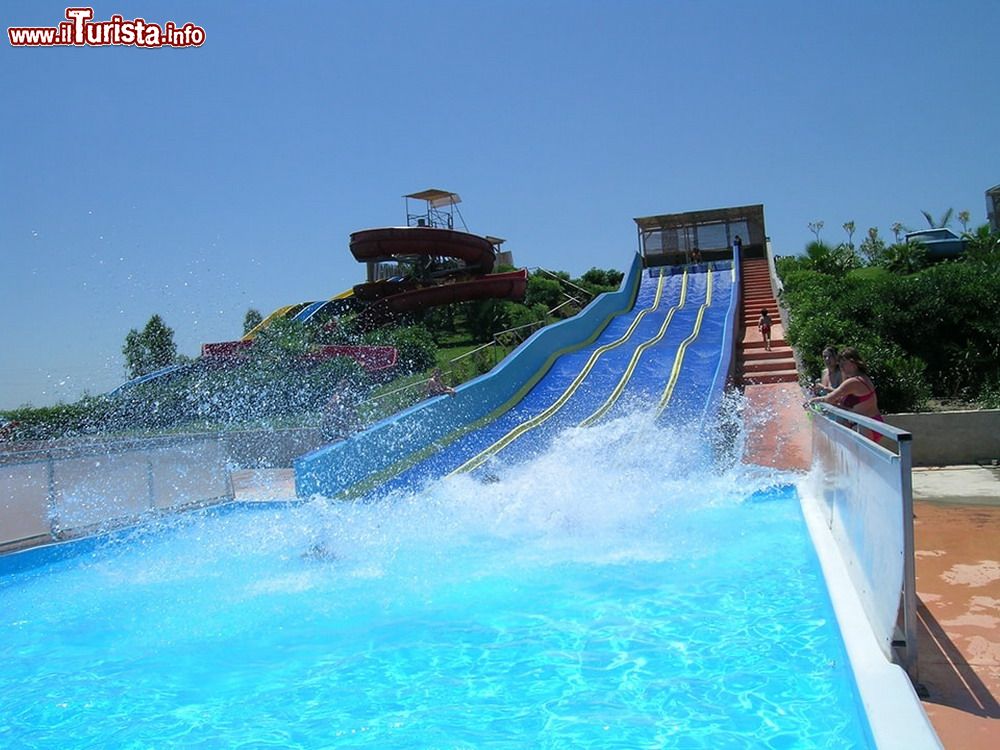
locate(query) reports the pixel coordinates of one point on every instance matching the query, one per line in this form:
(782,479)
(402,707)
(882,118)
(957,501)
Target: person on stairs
(764,326)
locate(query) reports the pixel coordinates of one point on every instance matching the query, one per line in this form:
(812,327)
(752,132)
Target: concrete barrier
(71,488)
(951,438)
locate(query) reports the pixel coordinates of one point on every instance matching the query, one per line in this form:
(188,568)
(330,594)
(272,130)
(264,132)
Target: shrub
(414,344)
(543,290)
(930,332)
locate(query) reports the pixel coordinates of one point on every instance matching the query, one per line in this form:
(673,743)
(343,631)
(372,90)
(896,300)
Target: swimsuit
(850,401)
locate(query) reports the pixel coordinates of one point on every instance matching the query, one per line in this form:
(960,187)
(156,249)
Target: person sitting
(831,376)
(857,391)
(436,386)
(8,429)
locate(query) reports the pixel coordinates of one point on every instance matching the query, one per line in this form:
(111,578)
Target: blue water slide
(309,310)
(625,348)
(671,348)
(155,375)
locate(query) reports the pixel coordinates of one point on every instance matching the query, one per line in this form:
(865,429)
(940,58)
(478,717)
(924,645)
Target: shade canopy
(436,198)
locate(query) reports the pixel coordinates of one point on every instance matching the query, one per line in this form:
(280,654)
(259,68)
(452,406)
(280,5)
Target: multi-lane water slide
(662,343)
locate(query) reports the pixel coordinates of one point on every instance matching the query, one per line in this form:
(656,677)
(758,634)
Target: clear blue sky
(197,183)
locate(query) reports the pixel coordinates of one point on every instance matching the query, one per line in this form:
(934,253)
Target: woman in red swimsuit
(856,392)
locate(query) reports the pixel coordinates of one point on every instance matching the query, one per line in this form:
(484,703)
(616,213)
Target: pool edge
(896,717)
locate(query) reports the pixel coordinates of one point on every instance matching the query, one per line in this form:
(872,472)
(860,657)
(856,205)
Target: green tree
(872,247)
(836,261)
(982,243)
(282,340)
(488,317)
(416,350)
(251,320)
(543,290)
(151,349)
(604,280)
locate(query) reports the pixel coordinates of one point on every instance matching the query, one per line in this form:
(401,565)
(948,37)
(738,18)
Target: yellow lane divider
(480,458)
(679,359)
(636,355)
(279,313)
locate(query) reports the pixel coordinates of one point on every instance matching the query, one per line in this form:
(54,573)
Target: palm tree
(835,261)
(849,228)
(905,257)
(945,219)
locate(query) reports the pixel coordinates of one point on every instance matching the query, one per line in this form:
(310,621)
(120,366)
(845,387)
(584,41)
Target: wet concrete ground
(957,543)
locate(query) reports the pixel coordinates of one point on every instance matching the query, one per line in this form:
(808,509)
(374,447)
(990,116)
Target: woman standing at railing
(856,392)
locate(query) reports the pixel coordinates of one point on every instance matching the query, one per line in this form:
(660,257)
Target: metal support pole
(909,563)
(50,468)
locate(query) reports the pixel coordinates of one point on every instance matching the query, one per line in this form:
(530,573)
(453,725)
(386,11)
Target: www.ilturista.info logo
(80,30)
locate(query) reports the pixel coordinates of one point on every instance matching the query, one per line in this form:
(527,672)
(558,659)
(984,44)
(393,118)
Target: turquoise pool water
(610,594)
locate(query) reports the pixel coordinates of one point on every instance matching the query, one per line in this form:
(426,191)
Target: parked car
(940,242)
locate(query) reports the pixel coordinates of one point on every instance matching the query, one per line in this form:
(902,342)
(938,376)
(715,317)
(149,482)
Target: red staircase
(754,363)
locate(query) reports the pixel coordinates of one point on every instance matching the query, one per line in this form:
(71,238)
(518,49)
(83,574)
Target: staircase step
(758,353)
(761,378)
(753,344)
(768,365)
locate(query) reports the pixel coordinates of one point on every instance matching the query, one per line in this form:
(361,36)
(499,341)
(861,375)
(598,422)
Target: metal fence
(866,492)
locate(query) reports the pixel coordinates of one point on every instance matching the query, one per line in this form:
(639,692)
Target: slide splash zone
(666,349)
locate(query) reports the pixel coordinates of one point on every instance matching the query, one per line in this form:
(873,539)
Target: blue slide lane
(311,309)
(693,392)
(667,323)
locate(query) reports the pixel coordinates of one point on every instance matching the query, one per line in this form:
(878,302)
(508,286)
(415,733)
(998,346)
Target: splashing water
(618,590)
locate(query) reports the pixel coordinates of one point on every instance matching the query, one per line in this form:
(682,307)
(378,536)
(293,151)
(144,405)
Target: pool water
(611,593)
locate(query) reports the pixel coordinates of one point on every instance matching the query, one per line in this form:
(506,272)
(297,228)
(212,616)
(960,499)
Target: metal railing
(867,490)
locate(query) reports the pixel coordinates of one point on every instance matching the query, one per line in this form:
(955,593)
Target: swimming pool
(612,592)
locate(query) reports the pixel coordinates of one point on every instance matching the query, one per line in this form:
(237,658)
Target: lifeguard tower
(672,239)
